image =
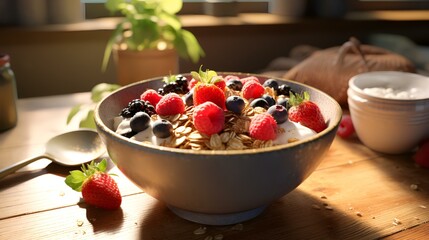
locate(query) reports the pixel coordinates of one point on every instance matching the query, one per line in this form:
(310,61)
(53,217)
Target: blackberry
(126,113)
(161,91)
(137,105)
(179,85)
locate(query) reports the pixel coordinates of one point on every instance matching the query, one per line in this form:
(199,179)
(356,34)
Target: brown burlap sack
(331,69)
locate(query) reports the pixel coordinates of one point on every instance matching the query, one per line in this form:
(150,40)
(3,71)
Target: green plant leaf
(145,33)
(109,47)
(113,5)
(171,20)
(151,21)
(88,121)
(102,165)
(188,46)
(75,180)
(73,112)
(171,6)
(100,90)
(77,177)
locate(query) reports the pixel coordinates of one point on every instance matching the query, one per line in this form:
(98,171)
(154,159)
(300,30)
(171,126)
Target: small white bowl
(385,124)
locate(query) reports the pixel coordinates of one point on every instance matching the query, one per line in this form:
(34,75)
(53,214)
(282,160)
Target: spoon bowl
(68,149)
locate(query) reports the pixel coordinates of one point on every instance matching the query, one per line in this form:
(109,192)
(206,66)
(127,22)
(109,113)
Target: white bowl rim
(360,91)
(149,146)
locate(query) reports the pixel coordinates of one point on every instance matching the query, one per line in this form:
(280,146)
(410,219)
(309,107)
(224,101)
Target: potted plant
(149,39)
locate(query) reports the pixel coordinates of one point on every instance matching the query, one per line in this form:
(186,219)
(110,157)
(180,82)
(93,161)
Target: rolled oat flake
(8,95)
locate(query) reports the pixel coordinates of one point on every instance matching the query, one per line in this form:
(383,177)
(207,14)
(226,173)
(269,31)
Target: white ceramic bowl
(215,187)
(390,125)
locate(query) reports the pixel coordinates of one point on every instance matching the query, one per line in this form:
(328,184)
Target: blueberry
(284,102)
(189,98)
(271,83)
(270,100)
(139,122)
(128,134)
(234,84)
(162,128)
(259,102)
(279,113)
(235,104)
(283,89)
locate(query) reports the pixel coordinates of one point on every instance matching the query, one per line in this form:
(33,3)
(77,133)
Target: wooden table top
(355,193)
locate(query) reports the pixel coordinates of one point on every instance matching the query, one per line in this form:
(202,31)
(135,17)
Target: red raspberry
(421,157)
(229,77)
(263,127)
(170,104)
(346,128)
(208,118)
(151,96)
(252,90)
(192,83)
(248,79)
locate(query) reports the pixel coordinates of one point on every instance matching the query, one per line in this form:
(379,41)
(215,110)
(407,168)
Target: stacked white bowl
(390,110)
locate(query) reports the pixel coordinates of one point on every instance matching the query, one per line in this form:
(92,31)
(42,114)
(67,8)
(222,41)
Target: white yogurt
(292,132)
(391,93)
(122,125)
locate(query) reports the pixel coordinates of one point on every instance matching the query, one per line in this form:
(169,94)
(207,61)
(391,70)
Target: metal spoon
(68,149)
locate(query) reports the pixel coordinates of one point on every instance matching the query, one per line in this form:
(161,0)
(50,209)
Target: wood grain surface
(355,193)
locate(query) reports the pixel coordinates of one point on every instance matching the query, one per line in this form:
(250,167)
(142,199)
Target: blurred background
(57,46)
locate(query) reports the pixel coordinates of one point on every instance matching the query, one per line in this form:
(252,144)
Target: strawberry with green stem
(98,188)
(209,88)
(305,112)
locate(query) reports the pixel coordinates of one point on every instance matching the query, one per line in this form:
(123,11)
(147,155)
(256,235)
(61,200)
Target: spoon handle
(13,168)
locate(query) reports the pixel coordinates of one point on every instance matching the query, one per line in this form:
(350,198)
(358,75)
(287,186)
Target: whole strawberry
(206,89)
(346,128)
(204,92)
(263,127)
(421,157)
(98,188)
(306,112)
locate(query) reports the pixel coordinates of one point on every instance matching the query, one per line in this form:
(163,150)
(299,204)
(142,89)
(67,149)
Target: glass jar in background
(8,95)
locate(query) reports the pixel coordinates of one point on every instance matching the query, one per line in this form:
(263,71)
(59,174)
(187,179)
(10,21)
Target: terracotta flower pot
(133,66)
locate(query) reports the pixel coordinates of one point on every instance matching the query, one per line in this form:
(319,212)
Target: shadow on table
(103,220)
(281,220)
